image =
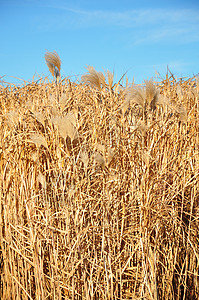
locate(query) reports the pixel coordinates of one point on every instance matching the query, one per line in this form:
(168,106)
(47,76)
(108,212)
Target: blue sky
(137,37)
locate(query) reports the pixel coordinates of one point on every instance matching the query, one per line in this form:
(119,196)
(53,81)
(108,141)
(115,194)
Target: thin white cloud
(147,26)
(171,32)
(132,18)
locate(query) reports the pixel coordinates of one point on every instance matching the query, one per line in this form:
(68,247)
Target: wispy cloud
(151,25)
(174,33)
(133,18)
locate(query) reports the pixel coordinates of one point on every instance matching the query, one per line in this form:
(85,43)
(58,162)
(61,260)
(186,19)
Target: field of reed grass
(99,189)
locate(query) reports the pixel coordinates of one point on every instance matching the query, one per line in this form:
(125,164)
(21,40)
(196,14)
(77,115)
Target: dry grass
(99,190)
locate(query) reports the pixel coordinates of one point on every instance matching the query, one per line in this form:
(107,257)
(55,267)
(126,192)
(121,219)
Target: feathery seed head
(136,95)
(12,118)
(94,78)
(179,92)
(84,157)
(53,62)
(99,159)
(150,90)
(66,126)
(38,140)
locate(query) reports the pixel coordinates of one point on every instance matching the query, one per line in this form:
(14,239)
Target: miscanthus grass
(99,190)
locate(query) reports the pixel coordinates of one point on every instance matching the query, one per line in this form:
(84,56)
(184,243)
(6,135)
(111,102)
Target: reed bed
(99,189)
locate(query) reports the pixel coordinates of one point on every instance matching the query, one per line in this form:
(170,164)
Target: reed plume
(53,62)
(94,78)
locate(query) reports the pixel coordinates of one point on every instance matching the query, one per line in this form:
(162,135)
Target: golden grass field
(99,189)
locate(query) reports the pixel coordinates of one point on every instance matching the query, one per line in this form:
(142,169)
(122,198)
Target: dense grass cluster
(99,189)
